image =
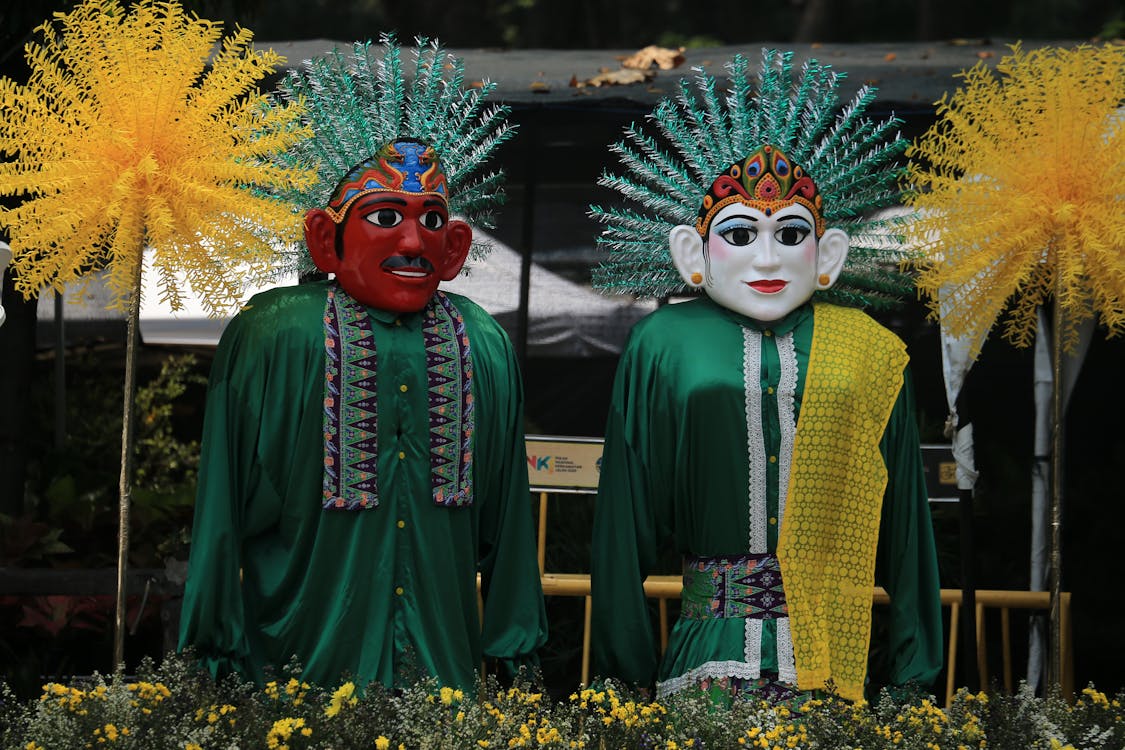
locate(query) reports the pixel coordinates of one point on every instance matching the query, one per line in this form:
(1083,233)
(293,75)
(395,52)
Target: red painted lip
(768,286)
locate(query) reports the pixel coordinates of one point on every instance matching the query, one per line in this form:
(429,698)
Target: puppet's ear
(320,236)
(686,247)
(831,252)
(458,239)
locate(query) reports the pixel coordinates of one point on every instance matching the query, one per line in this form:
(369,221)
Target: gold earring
(824,279)
(697,278)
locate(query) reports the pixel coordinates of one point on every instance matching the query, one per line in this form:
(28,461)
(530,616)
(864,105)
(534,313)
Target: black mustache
(402,261)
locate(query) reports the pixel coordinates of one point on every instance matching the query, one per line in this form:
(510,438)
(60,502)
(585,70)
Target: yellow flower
(192,746)
(382,743)
(1020,195)
(282,730)
(131,133)
(344,696)
(446,695)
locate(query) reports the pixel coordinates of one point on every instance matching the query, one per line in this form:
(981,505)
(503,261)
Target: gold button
(767,333)
(770,390)
(773,459)
(402,387)
(398,321)
(402,454)
(773,521)
(398,590)
(402,524)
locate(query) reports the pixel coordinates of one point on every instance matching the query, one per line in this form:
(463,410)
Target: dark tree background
(592,24)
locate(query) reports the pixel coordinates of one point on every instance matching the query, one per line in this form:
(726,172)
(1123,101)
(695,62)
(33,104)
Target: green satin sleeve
(907,561)
(514,625)
(213,617)
(632,494)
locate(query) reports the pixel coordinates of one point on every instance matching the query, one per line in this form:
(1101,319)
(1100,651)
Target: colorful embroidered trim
(351,446)
(735,586)
(449,370)
(351,449)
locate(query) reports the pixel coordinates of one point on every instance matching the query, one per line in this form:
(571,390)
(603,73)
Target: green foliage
(176,705)
(164,463)
(1114,27)
(70,513)
(23,539)
(73,490)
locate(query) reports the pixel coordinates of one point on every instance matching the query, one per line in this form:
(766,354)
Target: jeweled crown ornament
(403,166)
(767,180)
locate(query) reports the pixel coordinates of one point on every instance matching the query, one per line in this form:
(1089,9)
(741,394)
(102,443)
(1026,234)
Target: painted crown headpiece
(767,180)
(362,104)
(850,161)
(402,166)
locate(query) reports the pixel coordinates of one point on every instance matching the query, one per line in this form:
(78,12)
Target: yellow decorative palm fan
(136,129)
(1019,189)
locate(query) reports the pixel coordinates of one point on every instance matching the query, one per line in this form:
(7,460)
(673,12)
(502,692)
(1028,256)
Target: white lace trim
(755,439)
(786,664)
(712,669)
(786,416)
(752,645)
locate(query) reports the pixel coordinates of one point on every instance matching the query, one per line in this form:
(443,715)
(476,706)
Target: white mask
(762,266)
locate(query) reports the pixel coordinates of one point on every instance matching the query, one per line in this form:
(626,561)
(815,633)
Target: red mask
(396,248)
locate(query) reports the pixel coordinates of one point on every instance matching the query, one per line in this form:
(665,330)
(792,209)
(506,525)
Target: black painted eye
(793,234)
(739,235)
(385,217)
(432,220)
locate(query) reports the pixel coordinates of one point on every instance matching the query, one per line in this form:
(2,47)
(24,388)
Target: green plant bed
(176,705)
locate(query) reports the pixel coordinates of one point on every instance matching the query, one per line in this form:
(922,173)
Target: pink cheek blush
(717,248)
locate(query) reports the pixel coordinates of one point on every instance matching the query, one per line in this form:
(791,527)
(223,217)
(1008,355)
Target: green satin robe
(387,594)
(675,470)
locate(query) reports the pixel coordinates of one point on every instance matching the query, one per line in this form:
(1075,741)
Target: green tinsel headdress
(851,158)
(356,106)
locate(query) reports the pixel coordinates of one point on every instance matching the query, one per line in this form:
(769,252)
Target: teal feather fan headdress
(355,106)
(851,158)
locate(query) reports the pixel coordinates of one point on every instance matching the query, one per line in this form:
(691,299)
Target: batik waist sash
(746,586)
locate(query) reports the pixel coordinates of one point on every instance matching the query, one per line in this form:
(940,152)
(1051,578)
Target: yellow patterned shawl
(831,526)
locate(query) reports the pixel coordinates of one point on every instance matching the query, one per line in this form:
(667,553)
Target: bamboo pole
(1054,663)
(125,485)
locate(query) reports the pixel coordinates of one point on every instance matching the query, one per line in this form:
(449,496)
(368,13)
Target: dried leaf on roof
(664,58)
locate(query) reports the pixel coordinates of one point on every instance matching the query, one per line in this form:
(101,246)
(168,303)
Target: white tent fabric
(5,256)
(955,365)
(566,319)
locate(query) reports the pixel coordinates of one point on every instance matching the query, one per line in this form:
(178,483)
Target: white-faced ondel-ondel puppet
(766,435)
(363,457)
